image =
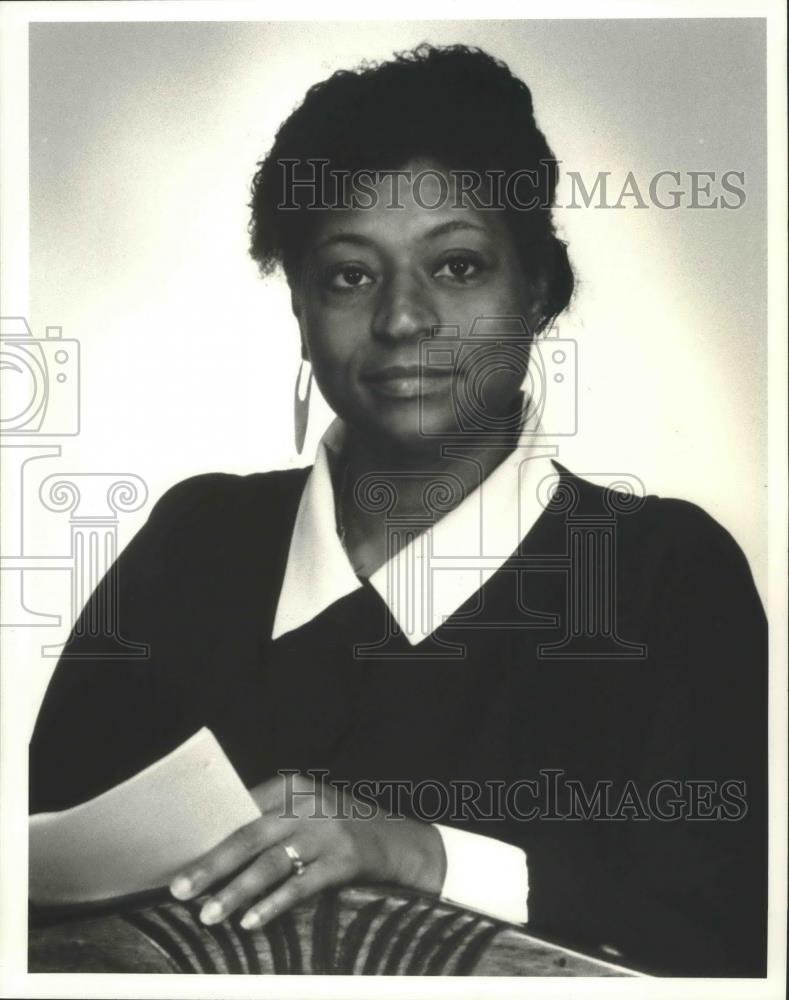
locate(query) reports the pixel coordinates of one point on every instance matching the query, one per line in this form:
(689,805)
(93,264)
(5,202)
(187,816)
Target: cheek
(329,337)
(515,294)
(334,344)
(500,298)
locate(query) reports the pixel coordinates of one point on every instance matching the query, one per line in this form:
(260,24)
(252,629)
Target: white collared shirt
(422,585)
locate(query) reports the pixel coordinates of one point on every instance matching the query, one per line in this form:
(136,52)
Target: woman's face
(387,307)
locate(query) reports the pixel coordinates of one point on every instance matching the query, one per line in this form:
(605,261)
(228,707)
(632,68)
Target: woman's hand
(329,833)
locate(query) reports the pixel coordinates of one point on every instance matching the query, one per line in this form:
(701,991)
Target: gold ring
(295,859)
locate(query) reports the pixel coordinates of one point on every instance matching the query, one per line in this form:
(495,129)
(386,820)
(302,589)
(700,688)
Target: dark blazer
(640,700)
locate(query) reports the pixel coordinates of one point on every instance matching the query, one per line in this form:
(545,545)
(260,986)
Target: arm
(683,896)
(103,719)
(484,874)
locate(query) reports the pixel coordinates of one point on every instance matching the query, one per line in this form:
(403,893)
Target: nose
(404,309)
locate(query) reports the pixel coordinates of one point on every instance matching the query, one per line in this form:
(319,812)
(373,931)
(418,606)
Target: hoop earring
(301,404)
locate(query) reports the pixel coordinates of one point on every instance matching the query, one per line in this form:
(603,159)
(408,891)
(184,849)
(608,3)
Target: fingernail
(181,887)
(250,920)
(211,913)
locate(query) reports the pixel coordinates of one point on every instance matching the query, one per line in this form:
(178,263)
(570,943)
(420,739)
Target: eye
(459,267)
(348,277)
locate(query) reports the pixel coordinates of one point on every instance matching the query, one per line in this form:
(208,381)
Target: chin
(415,428)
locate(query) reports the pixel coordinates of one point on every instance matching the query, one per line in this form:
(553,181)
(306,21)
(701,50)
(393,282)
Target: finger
(229,855)
(270,795)
(269,868)
(316,876)
(289,794)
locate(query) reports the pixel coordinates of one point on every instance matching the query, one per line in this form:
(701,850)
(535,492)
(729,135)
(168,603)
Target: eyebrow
(452,226)
(441,229)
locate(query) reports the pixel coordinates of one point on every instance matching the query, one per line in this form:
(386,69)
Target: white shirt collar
(434,574)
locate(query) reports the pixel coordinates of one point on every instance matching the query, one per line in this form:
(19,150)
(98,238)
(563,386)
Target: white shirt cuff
(485,875)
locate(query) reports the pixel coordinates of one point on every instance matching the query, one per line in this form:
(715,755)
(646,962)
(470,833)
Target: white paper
(139,834)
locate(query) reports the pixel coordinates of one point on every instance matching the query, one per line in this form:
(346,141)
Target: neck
(409,471)
(375,480)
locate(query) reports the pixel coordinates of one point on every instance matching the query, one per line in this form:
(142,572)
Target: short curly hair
(453,105)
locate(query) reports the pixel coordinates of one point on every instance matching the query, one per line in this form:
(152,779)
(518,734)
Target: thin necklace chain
(340,519)
(359,567)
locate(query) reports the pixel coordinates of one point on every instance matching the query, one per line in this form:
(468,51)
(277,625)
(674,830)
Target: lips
(406,381)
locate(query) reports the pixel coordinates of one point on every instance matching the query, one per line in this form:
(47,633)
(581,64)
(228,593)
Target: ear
(537,305)
(296,303)
(297,307)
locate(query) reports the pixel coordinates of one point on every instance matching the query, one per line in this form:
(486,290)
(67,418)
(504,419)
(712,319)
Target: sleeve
(484,874)
(106,714)
(681,890)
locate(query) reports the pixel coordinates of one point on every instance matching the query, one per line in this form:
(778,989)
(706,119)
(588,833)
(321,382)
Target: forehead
(417,202)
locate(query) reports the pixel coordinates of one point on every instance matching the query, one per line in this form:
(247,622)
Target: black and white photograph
(394,535)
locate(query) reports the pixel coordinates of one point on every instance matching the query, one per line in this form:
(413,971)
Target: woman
(577,680)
